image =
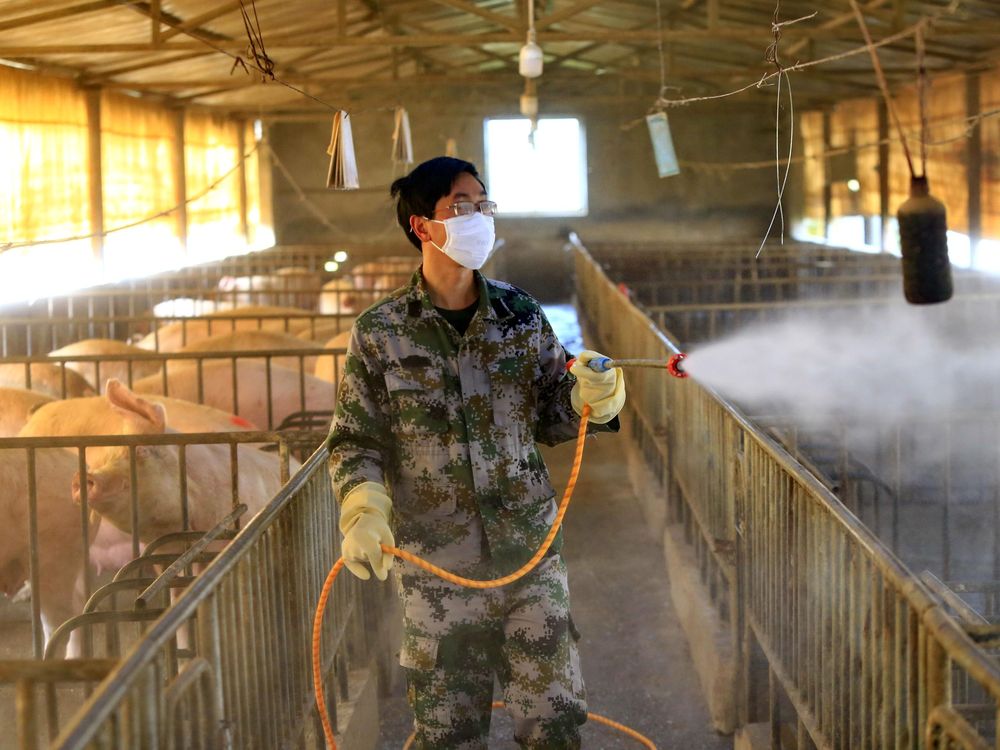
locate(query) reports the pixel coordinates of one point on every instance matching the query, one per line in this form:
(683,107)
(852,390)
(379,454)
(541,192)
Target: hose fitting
(674,365)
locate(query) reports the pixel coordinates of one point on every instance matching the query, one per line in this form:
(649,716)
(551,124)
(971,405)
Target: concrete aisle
(635,658)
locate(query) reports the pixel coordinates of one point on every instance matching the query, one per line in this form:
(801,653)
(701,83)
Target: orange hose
(331,743)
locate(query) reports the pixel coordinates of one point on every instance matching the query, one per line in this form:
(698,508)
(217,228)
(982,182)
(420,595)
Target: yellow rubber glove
(604,391)
(364,522)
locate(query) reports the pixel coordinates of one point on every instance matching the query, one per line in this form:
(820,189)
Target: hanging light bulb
(529,99)
(530,59)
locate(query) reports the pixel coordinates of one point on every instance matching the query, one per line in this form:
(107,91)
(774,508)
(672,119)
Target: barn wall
(627,198)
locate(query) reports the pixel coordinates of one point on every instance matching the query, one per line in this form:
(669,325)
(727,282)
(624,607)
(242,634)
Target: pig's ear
(121,397)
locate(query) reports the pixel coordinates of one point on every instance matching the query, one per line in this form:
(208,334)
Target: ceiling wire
(771,56)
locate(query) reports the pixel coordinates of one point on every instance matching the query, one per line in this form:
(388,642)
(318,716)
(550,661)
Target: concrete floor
(635,658)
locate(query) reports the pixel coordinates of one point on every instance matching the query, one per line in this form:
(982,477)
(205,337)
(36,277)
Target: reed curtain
(211,153)
(138,141)
(946,145)
(855,123)
(854,126)
(252,176)
(44,185)
(44,180)
(989,100)
(814,166)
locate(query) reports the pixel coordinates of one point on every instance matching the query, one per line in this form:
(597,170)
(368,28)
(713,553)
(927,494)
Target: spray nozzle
(674,365)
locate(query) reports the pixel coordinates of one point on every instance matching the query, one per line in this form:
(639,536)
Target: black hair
(418,192)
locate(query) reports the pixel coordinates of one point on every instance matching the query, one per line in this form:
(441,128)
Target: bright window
(543,175)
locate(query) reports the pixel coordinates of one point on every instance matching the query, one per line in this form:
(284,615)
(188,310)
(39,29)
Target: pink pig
(61,553)
(286,397)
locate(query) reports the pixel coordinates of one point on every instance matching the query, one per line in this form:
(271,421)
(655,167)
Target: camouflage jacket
(449,424)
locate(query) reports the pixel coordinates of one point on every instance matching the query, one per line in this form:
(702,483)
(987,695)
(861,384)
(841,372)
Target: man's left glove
(364,522)
(604,391)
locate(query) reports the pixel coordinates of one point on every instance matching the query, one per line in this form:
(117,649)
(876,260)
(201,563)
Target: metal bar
(175,568)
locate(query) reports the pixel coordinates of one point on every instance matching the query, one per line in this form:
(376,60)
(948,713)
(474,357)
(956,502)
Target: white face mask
(469,239)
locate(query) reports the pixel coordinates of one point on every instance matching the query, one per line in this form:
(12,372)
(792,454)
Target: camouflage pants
(456,639)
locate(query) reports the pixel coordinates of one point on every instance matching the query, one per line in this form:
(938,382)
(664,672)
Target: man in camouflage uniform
(448,384)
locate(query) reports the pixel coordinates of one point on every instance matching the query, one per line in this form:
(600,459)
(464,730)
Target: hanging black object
(923,236)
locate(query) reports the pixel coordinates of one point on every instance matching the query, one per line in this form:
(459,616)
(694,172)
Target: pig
(379,277)
(251,378)
(79,415)
(292,286)
(326,330)
(110,547)
(109,368)
(16,405)
(329,367)
(254,341)
(295,286)
(187,307)
(187,416)
(171,337)
(208,475)
(339,296)
(45,378)
(61,554)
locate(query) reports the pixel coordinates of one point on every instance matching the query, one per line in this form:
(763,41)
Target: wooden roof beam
(193,23)
(836,22)
(98,74)
(561,15)
(495,18)
(55,15)
(642,36)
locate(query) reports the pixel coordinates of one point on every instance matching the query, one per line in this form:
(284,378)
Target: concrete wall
(627,198)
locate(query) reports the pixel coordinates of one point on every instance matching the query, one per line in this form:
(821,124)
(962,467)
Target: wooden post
(241,173)
(883,171)
(974,162)
(180,177)
(827,187)
(95,180)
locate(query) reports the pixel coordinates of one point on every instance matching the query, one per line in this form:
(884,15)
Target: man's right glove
(603,391)
(364,522)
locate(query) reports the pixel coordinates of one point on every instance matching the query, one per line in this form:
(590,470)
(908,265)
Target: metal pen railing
(284,381)
(859,653)
(50,539)
(243,679)
(38,336)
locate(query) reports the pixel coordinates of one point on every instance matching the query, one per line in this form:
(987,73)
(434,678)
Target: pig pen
(120,607)
(106,611)
(242,677)
(219,286)
(943,516)
(822,635)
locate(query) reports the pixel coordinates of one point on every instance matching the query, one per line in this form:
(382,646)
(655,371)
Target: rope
(883,84)
(317,671)
(771,56)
